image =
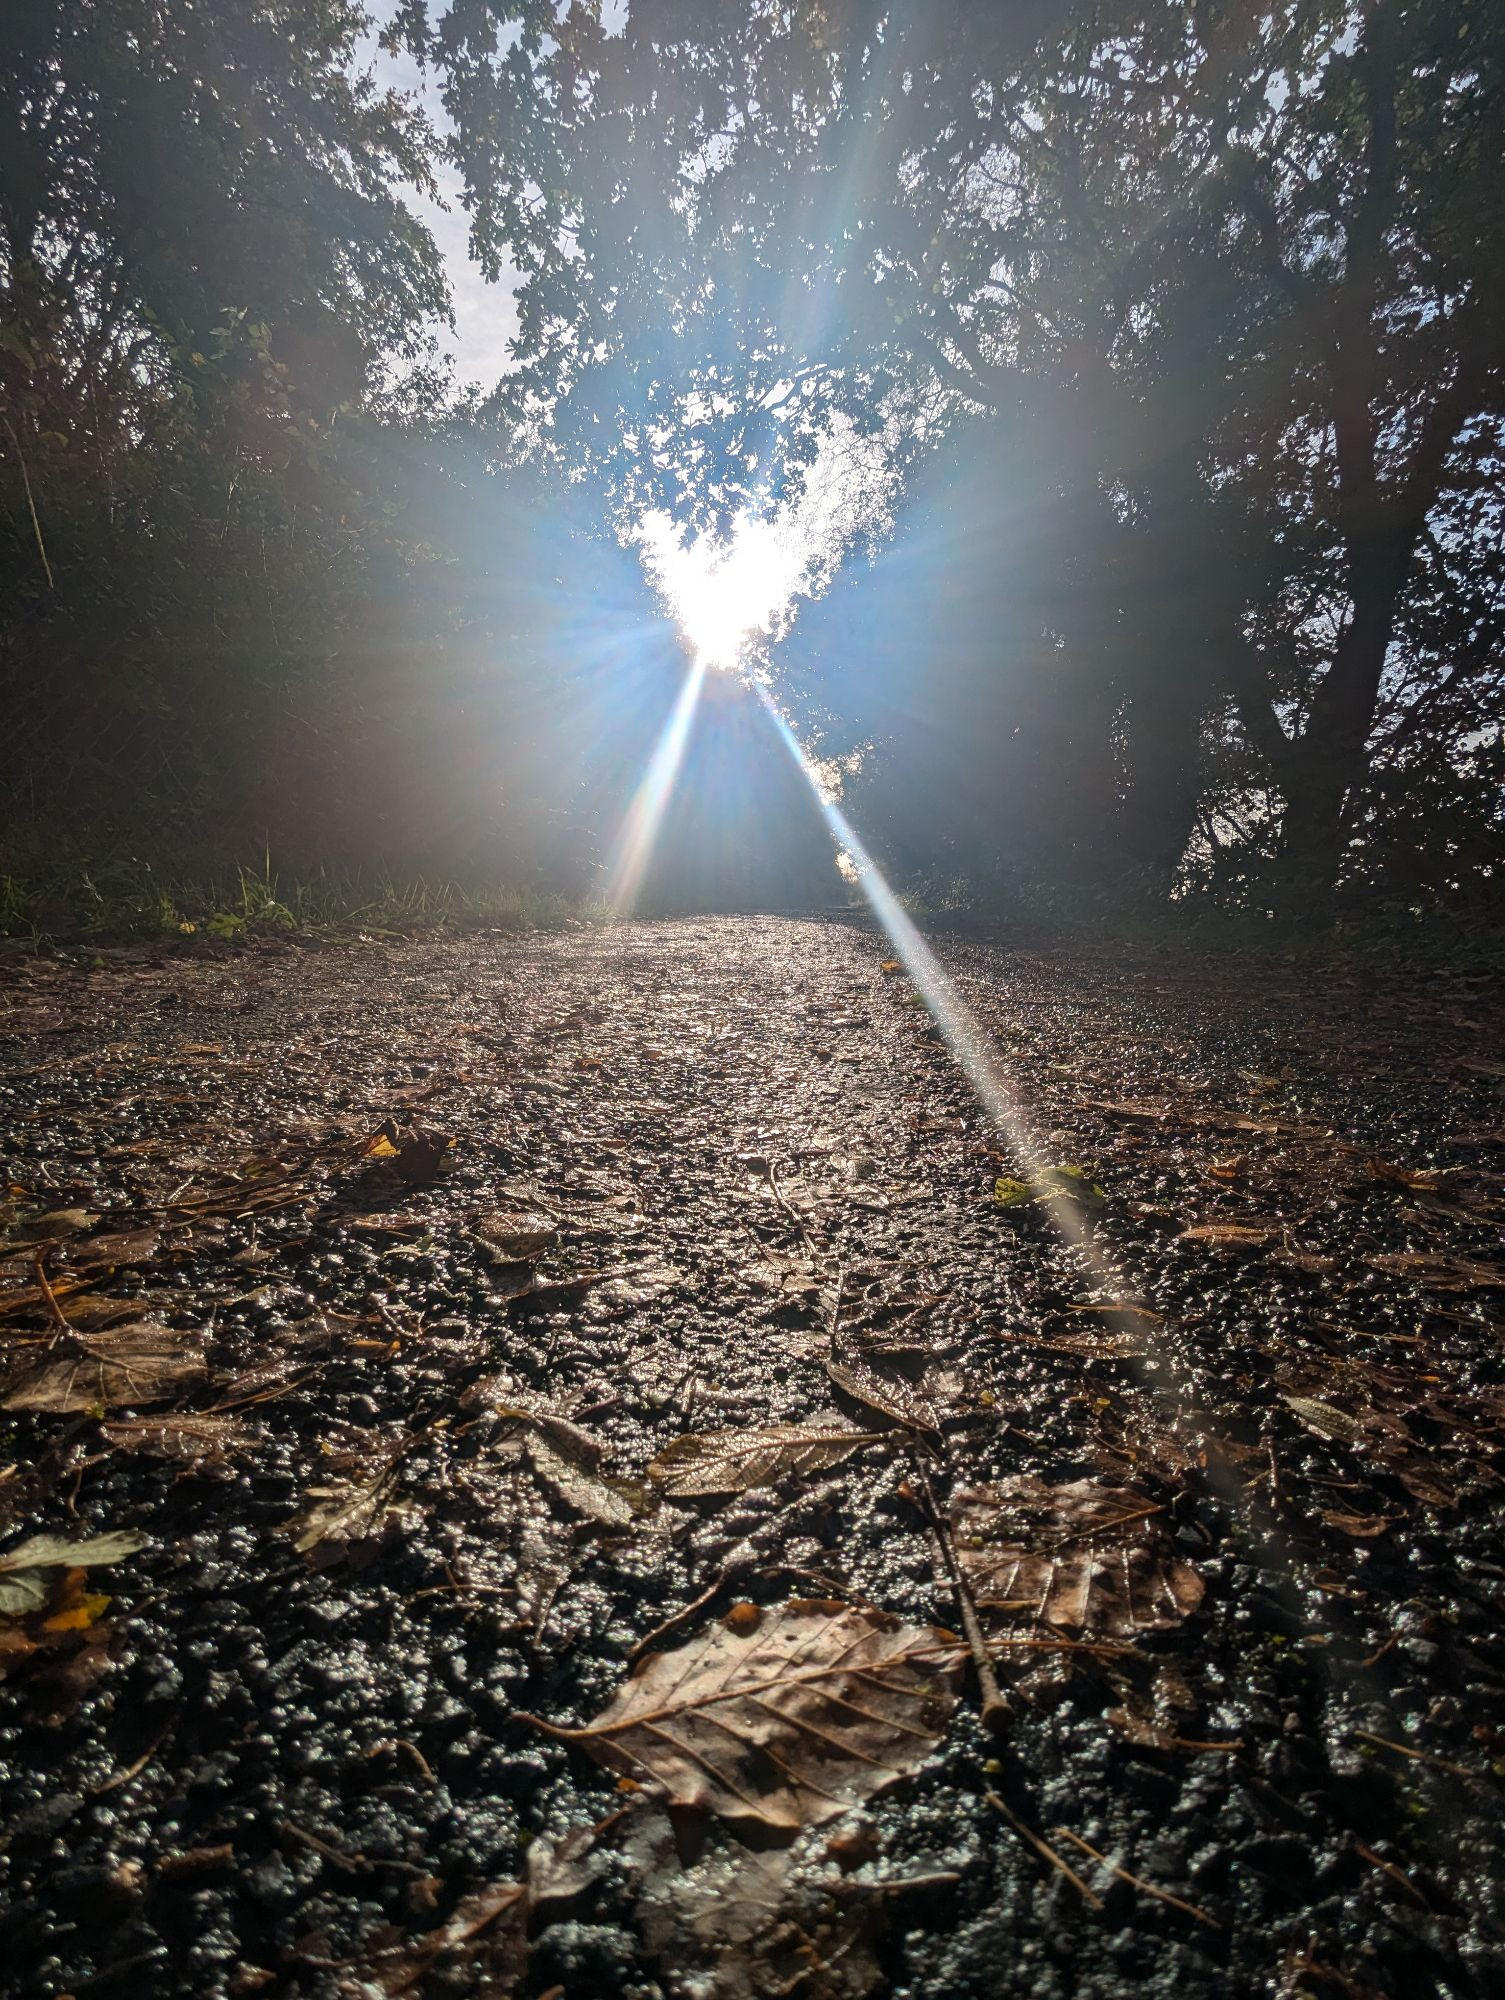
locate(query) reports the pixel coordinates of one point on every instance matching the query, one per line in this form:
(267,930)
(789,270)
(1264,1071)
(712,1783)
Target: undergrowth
(131,899)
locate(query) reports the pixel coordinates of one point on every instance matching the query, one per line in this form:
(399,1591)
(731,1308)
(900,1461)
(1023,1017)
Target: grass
(132,899)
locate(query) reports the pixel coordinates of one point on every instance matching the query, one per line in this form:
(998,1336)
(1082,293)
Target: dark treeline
(1183,325)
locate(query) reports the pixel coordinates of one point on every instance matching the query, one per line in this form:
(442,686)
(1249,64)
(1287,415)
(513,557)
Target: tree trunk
(1328,760)
(1159,808)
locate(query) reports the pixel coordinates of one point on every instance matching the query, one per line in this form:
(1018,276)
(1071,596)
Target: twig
(36,523)
(995,1710)
(402,1743)
(54,1311)
(134,1770)
(1398,1876)
(1043,1847)
(1138,1881)
(1418,1756)
(771,1173)
(352,1864)
(677,1618)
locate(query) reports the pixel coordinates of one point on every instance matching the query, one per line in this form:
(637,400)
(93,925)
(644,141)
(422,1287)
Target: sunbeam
(644,816)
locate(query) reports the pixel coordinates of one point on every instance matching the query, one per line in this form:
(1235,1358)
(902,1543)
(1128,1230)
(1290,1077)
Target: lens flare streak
(645,815)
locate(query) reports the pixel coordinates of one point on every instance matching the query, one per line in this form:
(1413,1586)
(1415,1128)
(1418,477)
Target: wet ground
(356,1303)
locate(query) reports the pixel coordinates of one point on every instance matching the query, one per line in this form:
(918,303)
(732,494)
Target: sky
(485,315)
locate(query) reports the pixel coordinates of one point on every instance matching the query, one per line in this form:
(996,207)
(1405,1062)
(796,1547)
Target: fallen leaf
(897,1403)
(515,1235)
(1442,1274)
(25,1582)
(130,1366)
(498,1910)
(1088,1557)
(340,1516)
(814,1708)
(1364,1527)
(747,1925)
(610,1503)
(695,1467)
(568,1459)
(1152,1735)
(1324,1419)
(122,1250)
(1228,1235)
(53,1227)
(1051,1184)
(182,1435)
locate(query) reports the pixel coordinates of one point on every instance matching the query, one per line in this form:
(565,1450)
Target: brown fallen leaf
(1326,1420)
(1364,1527)
(119,1251)
(129,1366)
(1440,1273)
(495,1914)
(1088,1557)
(896,1404)
(738,1924)
(354,1513)
(695,1467)
(783,1718)
(1229,1235)
(514,1235)
(182,1435)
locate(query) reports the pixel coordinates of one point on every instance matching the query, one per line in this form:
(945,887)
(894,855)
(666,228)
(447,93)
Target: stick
(1138,1881)
(1042,1846)
(1419,1756)
(54,1311)
(995,1710)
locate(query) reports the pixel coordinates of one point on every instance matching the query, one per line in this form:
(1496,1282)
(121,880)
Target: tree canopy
(1179,328)
(1224,281)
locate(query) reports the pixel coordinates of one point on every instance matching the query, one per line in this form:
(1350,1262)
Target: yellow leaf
(77,1617)
(381,1148)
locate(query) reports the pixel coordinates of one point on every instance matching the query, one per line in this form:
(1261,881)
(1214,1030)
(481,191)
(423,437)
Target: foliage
(1225,285)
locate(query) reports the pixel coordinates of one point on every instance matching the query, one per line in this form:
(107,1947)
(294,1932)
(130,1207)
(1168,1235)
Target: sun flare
(724,596)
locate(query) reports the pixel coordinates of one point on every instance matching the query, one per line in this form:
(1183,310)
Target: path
(390,1480)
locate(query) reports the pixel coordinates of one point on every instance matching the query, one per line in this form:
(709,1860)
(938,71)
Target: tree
(1225,278)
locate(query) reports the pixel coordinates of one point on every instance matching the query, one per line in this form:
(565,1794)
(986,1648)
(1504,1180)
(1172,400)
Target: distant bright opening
(725,595)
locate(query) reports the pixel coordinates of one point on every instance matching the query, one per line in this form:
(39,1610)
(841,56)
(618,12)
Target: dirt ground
(527,1456)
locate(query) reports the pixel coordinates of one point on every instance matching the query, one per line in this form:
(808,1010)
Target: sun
(723,596)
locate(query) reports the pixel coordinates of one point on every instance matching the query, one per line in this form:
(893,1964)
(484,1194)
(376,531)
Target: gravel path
(363,1290)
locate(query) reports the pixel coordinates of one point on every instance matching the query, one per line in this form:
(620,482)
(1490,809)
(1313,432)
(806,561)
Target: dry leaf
(128,1247)
(358,1510)
(1088,1557)
(897,1403)
(783,1722)
(613,1504)
(130,1367)
(1228,1235)
(1442,1274)
(182,1435)
(1152,1735)
(1324,1419)
(496,1913)
(694,1467)
(515,1235)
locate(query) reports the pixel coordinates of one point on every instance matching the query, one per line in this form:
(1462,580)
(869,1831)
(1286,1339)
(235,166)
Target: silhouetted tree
(1226,280)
